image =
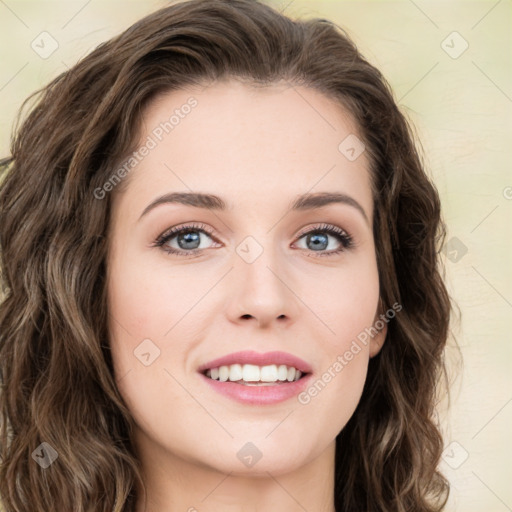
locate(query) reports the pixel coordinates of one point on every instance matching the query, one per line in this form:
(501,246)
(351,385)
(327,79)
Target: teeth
(269,373)
(223,373)
(235,372)
(282,372)
(250,374)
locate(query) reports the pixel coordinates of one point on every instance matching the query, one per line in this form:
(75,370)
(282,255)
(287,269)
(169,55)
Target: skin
(257,148)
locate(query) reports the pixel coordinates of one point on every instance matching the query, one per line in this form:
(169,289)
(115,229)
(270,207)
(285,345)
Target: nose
(262,292)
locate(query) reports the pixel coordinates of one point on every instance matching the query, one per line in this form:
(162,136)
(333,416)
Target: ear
(380,323)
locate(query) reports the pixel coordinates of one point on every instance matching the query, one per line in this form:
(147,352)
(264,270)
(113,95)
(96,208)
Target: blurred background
(450,66)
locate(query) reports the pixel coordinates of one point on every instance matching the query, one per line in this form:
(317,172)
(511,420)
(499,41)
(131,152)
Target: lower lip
(259,395)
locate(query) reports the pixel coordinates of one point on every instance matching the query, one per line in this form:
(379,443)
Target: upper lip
(258,359)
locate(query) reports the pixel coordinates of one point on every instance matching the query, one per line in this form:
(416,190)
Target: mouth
(253,378)
(254,375)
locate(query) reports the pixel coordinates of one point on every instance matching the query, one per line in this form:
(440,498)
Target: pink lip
(252,357)
(259,395)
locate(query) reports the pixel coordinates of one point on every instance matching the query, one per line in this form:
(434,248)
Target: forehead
(244,140)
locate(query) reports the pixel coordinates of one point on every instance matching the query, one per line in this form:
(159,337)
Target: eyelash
(343,237)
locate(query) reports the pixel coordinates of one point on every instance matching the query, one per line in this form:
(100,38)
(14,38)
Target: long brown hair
(55,365)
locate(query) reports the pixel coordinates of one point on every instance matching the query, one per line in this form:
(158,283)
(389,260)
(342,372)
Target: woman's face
(256,283)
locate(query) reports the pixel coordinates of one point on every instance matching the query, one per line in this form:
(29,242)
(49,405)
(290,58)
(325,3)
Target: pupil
(322,243)
(192,237)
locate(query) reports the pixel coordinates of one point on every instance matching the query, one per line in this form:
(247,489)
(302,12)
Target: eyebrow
(212,202)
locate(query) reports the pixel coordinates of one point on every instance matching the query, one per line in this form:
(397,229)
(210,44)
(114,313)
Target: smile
(253,375)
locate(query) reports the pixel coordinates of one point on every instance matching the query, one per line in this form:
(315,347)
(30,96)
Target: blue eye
(188,239)
(320,240)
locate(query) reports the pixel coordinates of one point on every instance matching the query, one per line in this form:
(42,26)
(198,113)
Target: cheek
(345,302)
(142,309)
(136,320)
(146,301)
(150,307)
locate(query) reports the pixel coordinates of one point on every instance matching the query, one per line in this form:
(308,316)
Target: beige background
(461,104)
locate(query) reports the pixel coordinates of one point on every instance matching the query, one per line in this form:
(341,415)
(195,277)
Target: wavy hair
(56,371)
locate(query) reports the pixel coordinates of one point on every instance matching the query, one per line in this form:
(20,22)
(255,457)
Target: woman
(220,261)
